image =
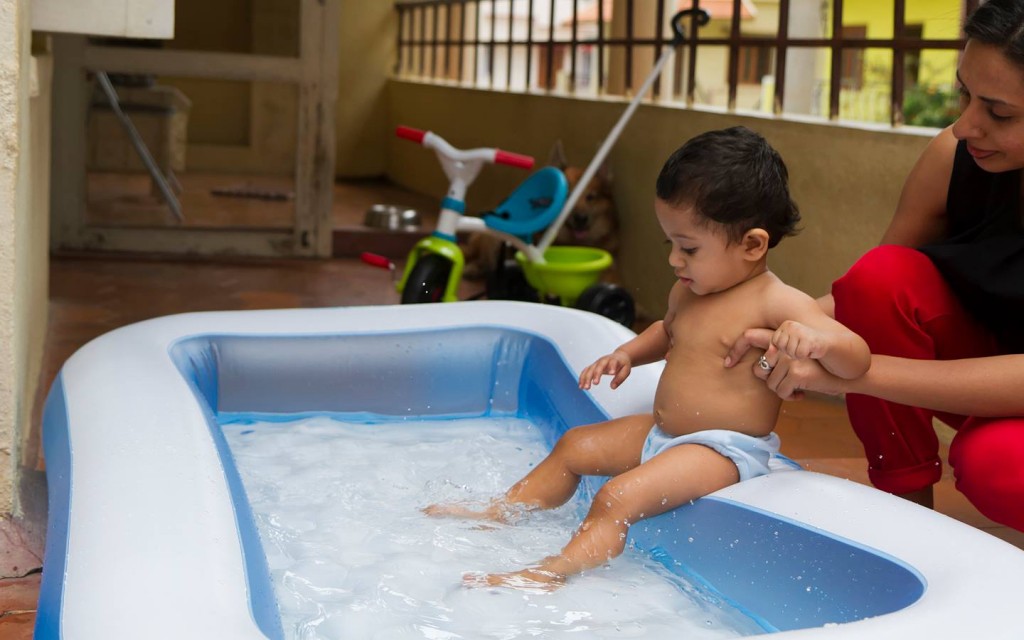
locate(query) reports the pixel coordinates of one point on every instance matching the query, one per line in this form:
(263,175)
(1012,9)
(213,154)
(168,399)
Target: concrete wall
(14,85)
(846,181)
(24,174)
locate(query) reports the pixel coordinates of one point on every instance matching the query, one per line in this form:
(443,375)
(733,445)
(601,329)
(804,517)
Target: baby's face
(701,257)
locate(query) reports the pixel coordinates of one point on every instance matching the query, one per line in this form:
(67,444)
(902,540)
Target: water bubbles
(378,567)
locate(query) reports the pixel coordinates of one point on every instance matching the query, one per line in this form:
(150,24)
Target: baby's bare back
(696,391)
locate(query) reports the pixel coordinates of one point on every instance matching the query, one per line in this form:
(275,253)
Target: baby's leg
(606,448)
(672,478)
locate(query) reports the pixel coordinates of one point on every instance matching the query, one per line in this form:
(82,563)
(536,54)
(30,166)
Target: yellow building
(867,74)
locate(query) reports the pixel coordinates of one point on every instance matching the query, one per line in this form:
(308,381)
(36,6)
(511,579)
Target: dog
(593,222)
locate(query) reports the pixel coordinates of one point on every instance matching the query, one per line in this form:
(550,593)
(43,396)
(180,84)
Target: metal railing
(601,47)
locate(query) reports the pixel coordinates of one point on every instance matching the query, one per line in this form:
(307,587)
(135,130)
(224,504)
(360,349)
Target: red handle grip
(513,159)
(416,135)
(375,260)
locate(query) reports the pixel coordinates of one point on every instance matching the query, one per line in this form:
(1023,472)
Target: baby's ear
(755,244)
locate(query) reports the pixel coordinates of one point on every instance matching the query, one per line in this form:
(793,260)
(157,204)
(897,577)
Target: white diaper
(750,454)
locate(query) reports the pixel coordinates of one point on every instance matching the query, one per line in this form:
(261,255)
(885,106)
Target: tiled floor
(90,296)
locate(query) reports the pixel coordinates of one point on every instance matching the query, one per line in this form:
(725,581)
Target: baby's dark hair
(999,23)
(732,177)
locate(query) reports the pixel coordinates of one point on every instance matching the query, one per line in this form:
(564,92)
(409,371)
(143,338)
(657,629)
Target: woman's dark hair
(732,177)
(999,23)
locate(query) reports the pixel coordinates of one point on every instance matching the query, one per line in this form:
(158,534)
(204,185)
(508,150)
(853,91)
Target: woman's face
(992,108)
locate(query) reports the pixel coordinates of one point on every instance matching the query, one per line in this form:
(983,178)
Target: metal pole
(701,18)
(140,146)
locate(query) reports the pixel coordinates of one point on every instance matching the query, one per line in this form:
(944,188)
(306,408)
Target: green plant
(927,106)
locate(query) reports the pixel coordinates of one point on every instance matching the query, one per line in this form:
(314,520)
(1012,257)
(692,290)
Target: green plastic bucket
(566,272)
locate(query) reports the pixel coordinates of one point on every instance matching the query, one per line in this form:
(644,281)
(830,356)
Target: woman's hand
(789,378)
(616,364)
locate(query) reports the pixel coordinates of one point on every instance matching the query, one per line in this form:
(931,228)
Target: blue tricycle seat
(533,205)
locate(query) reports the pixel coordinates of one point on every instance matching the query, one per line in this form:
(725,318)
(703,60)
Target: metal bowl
(392,217)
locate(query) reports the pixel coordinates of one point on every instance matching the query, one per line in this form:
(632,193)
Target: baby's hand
(615,364)
(800,341)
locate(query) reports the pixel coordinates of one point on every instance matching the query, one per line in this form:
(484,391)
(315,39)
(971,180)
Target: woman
(941,301)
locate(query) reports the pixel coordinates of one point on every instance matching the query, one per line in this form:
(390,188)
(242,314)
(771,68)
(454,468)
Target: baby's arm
(650,346)
(805,331)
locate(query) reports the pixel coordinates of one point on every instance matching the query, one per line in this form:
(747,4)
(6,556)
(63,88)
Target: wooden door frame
(315,74)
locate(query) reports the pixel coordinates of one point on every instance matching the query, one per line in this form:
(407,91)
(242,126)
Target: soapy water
(338,507)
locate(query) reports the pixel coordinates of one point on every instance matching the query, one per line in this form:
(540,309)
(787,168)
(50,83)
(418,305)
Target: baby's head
(733,179)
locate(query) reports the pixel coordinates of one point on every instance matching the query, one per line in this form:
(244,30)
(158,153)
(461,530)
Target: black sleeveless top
(982,257)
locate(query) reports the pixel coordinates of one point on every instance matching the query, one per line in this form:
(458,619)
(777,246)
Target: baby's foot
(456,510)
(535,580)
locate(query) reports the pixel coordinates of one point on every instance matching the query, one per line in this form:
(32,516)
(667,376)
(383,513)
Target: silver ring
(763,363)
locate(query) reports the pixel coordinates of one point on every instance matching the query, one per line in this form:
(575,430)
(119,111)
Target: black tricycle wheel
(508,282)
(428,280)
(610,301)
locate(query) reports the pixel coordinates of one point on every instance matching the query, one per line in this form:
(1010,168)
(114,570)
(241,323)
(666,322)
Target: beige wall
(24,185)
(12,87)
(367,53)
(846,181)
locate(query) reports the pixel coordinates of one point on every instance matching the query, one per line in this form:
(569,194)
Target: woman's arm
(920,216)
(990,387)
(987,387)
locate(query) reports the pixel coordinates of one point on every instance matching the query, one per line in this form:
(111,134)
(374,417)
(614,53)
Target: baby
(722,202)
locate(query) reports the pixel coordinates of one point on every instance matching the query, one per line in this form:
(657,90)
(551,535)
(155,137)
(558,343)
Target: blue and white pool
(151,533)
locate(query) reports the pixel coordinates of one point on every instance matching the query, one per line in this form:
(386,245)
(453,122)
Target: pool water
(351,555)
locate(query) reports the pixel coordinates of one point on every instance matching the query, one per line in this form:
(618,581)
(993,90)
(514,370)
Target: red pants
(899,303)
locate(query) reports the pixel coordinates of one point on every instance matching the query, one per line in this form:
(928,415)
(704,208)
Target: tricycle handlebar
(416,135)
(441,146)
(513,159)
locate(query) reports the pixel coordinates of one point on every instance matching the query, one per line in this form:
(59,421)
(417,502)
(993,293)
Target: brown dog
(592,222)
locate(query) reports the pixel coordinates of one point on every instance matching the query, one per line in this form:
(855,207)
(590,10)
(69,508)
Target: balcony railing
(826,58)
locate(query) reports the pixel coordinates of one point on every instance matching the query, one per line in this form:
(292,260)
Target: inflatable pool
(151,536)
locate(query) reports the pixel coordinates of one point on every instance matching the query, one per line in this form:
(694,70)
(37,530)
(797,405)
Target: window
(912,59)
(853,59)
(596,47)
(755,64)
